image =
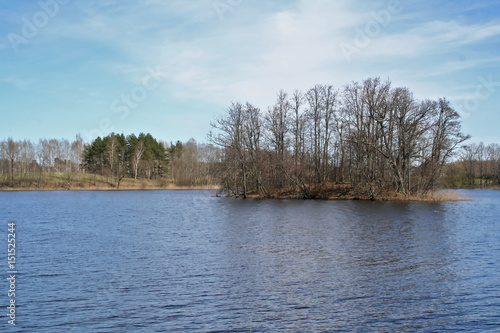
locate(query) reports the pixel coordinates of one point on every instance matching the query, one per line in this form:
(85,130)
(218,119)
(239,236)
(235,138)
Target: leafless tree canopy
(372,137)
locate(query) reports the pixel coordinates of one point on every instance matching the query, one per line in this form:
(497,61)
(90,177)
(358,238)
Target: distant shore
(100,188)
(98,184)
(333,193)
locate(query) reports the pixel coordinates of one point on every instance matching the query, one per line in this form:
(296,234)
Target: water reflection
(358,262)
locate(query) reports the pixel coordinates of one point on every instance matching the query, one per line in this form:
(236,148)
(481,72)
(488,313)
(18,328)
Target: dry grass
(140,187)
(439,196)
(346,192)
(94,183)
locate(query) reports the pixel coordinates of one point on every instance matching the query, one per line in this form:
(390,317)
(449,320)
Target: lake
(181,261)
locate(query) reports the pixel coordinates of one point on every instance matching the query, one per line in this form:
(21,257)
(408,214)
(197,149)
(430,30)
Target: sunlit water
(162,261)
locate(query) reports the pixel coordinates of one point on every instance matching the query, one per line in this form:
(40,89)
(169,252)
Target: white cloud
(292,48)
(300,46)
(255,52)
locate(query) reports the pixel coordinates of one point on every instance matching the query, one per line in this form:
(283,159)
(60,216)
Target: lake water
(163,261)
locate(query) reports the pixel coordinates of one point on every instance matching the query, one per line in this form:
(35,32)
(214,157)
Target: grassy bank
(88,182)
(346,192)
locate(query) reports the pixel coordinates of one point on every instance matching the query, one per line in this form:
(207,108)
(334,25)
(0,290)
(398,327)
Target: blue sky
(170,67)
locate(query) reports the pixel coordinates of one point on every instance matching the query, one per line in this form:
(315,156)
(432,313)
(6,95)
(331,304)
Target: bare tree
(77,154)
(298,127)
(315,101)
(26,159)
(230,135)
(112,156)
(12,149)
(402,130)
(493,153)
(277,125)
(330,108)
(138,151)
(252,137)
(446,138)
(469,161)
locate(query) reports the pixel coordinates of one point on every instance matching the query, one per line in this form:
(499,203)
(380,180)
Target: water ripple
(185,261)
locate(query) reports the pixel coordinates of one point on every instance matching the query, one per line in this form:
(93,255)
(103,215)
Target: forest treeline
(366,139)
(477,165)
(76,164)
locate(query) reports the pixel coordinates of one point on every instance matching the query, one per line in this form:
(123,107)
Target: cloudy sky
(169,67)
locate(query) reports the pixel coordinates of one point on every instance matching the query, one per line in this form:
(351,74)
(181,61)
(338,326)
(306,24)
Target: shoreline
(444,195)
(107,189)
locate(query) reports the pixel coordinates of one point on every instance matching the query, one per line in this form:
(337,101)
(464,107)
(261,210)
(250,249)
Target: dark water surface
(162,261)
